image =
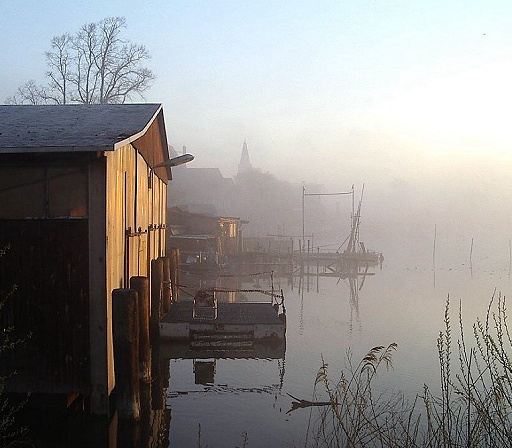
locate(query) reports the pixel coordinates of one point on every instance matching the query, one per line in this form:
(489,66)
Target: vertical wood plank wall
(135,223)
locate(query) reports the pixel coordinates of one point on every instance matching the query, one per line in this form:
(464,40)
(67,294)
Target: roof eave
(139,134)
(68,149)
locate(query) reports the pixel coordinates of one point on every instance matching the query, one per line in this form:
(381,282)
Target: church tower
(245,163)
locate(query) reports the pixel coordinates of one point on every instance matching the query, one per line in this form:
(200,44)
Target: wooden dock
(323,264)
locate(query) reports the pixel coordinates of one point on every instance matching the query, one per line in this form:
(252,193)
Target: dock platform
(229,323)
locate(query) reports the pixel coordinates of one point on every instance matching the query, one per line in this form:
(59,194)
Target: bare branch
(28,93)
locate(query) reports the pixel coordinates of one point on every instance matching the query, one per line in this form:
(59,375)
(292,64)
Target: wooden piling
(318,269)
(471,258)
(509,257)
(290,261)
(126,352)
(175,269)
(141,285)
(166,285)
(157,268)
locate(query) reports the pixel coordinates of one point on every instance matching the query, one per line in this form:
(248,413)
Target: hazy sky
(335,92)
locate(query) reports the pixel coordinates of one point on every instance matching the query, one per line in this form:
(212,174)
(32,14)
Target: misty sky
(336,92)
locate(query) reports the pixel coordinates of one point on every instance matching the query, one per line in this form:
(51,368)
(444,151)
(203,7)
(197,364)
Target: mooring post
(157,268)
(317,268)
(166,285)
(175,269)
(141,285)
(126,352)
(290,260)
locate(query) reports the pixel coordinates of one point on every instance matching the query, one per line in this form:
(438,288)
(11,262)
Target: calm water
(247,400)
(402,303)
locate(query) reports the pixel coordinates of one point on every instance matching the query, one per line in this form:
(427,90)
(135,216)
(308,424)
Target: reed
(472,408)
(476,404)
(355,416)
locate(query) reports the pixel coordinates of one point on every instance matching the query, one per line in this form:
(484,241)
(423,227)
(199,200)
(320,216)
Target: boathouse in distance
(82,210)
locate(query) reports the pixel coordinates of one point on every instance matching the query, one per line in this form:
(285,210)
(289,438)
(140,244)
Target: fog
(410,99)
(463,200)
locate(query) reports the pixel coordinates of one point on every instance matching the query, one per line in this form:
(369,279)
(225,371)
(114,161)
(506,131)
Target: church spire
(245,163)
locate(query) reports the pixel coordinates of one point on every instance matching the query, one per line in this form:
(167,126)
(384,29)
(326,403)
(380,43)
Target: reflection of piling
(126,352)
(141,285)
(146,416)
(160,368)
(128,434)
(291,259)
(308,255)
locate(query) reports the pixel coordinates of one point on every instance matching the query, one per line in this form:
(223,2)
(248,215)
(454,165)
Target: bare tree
(28,93)
(60,61)
(96,65)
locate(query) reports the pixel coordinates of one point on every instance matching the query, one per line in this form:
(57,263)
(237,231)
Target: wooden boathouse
(82,211)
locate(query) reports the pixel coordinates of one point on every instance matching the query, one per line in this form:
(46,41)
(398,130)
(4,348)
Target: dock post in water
(317,269)
(157,270)
(141,285)
(126,352)
(166,285)
(175,269)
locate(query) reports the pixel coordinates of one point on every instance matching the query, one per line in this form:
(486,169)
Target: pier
(323,264)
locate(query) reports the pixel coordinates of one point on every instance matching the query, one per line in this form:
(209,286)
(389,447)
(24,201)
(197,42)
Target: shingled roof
(80,127)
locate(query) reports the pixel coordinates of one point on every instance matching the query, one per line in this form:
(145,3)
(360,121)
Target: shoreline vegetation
(472,408)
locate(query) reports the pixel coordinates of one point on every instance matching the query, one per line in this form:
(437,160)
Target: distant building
(202,190)
(195,232)
(245,162)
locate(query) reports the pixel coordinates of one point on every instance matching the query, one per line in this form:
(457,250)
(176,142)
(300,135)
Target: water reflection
(254,374)
(205,360)
(353,273)
(76,429)
(242,386)
(230,288)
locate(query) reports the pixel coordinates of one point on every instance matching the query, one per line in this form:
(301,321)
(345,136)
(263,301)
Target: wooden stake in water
(434,254)
(125,328)
(471,259)
(509,257)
